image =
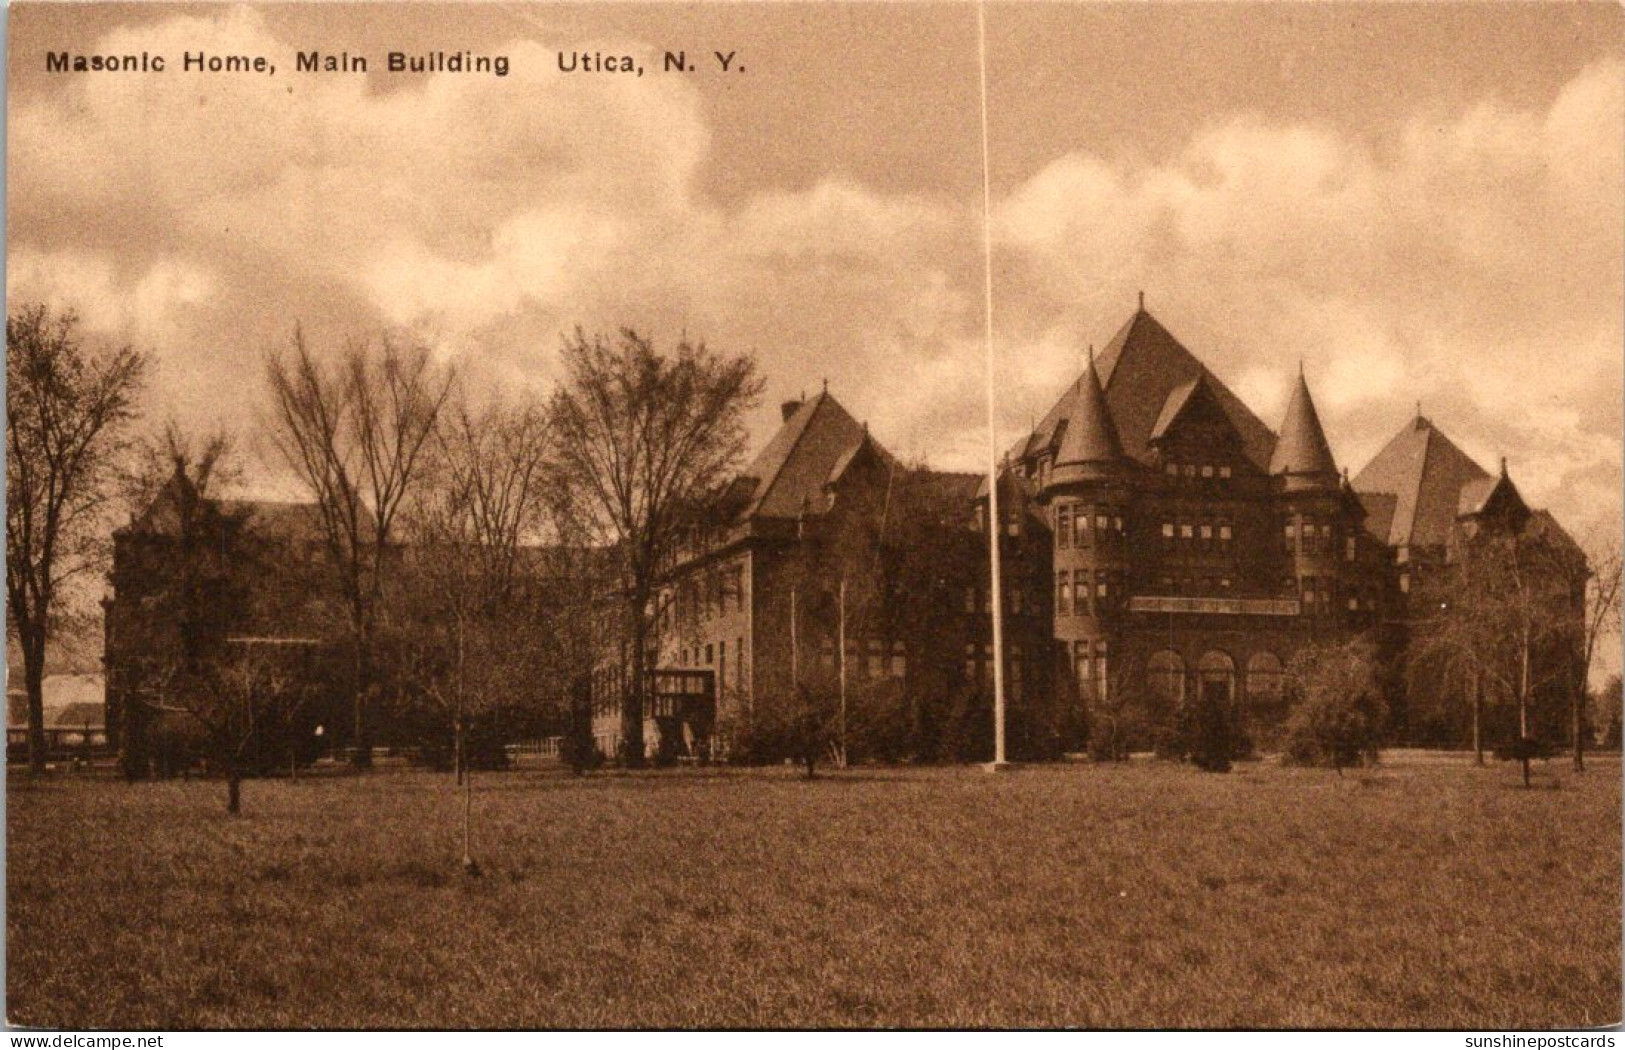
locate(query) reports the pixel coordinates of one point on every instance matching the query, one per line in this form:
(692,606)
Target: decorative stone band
(1218,606)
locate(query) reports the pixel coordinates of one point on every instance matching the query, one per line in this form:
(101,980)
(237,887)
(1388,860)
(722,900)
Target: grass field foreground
(1419,894)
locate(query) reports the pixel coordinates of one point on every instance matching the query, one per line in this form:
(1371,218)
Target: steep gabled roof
(1301,447)
(1379,512)
(797,462)
(1178,398)
(1138,369)
(1425,472)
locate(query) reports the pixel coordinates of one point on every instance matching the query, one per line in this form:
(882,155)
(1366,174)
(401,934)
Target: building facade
(1162,546)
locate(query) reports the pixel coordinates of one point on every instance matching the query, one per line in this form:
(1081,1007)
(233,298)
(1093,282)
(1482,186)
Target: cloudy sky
(1419,203)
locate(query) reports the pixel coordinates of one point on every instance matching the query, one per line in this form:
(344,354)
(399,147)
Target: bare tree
(234,694)
(1505,616)
(472,629)
(67,414)
(354,432)
(1601,569)
(641,438)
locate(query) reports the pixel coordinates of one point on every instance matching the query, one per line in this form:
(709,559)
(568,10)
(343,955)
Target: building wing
(1426,474)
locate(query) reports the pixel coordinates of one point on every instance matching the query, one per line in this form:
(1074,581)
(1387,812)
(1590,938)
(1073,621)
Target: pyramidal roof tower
(1301,452)
(1090,447)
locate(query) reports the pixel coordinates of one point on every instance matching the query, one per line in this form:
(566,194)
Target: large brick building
(1161,543)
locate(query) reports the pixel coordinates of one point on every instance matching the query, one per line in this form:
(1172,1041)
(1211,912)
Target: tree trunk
(361,755)
(632,702)
(468,815)
(1579,730)
(1523,705)
(457,761)
(34,682)
(1478,726)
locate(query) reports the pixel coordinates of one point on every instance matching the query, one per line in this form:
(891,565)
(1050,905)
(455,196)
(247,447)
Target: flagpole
(995,524)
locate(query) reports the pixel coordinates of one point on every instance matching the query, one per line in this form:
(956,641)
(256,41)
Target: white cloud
(1467,259)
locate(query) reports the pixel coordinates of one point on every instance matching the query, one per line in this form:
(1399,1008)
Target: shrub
(1339,715)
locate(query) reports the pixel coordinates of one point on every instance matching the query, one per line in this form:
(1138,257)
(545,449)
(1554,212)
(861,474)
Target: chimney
(789,408)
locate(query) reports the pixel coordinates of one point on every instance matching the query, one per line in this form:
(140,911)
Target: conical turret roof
(1301,449)
(1091,436)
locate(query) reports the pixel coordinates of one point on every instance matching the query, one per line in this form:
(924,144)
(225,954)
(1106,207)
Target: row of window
(1194,470)
(1265,679)
(696,600)
(1194,584)
(979,668)
(871,659)
(716,655)
(1090,664)
(1203,533)
(1312,537)
(976,600)
(1083,593)
(1076,525)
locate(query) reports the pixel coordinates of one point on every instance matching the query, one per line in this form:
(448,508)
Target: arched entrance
(1216,678)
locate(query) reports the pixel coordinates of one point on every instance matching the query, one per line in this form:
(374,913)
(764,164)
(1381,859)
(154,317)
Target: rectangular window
(1117,525)
(1224,472)
(1063,595)
(1348,549)
(877,663)
(1225,534)
(1167,530)
(970,598)
(1102,523)
(1100,586)
(1224,583)
(1080,527)
(1173,470)
(1063,524)
(1080,592)
(708,656)
(1207,533)
(1207,470)
(1186,532)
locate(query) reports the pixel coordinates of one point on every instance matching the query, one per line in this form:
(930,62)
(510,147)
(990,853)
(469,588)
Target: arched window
(1165,677)
(1266,679)
(1217,674)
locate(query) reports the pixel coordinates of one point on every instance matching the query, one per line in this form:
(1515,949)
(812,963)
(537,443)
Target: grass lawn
(1425,893)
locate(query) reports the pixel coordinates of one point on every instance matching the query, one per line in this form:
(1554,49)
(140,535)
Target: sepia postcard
(775,516)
